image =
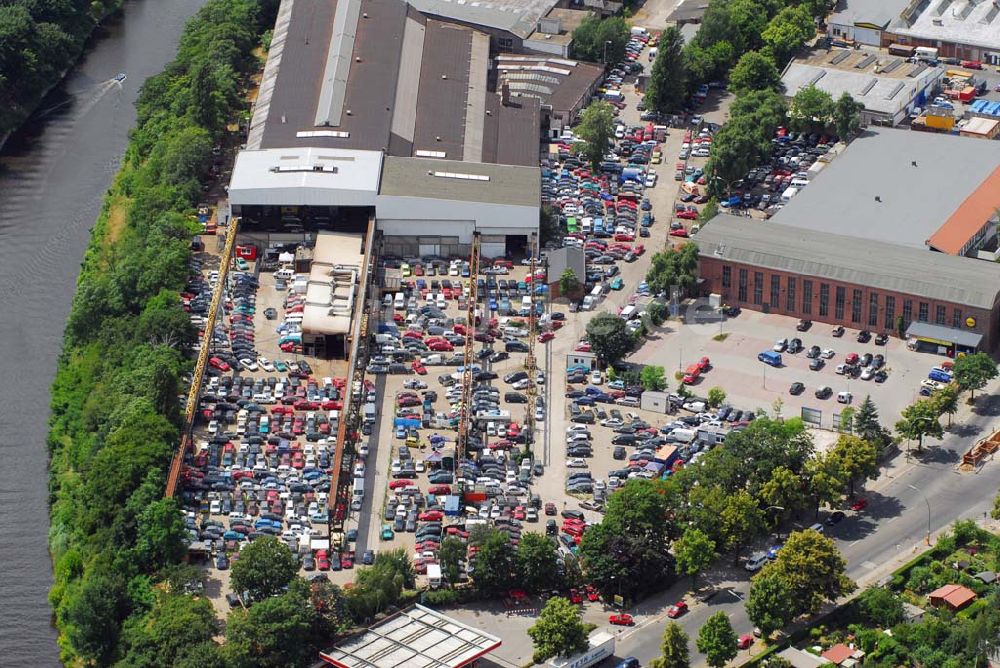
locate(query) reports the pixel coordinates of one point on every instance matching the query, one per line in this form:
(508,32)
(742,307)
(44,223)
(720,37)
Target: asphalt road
(889,532)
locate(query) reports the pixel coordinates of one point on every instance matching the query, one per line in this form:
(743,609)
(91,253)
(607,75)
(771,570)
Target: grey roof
(835,257)
(884,93)
(915,201)
(875,12)
(926,330)
(567,257)
(561,83)
(988,577)
(443,179)
(414,638)
(688,11)
(519,17)
(968,22)
(384,77)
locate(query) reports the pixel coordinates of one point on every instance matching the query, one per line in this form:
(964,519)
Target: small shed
(912,613)
(987,577)
(953,596)
(981,128)
(452,505)
(580,359)
(561,259)
(657,402)
(843,655)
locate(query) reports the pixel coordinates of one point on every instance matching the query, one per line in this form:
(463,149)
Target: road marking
(869,565)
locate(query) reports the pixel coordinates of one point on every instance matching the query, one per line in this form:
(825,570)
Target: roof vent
(444,76)
(437,138)
(283,119)
(357,59)
(365,15)
(348,112)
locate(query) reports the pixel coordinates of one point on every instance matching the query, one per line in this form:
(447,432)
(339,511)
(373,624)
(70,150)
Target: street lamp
(604,59)
(916,489)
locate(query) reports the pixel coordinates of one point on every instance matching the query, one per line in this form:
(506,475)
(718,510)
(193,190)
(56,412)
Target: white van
(283,274)
(597,292)
(399,302)
(588,303)
(628,312)
(799,182)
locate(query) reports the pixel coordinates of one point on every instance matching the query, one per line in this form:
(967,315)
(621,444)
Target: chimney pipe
(505,94)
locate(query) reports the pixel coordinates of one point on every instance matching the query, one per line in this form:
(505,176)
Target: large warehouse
(888,238)
(374,110)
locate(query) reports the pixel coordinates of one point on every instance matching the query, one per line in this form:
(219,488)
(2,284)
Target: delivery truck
(600,646)
(434,575)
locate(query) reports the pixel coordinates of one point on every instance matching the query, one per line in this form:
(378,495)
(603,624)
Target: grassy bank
(118,595)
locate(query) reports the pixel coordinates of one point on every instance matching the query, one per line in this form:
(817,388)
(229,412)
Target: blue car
(772,553)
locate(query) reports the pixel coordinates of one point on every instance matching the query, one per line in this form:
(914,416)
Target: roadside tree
(450,554)
(995,513)
(716,395)
(264,569)
(973,372)
(609,338)
(559,630)
(709,211)
(946,400)
(787,31)
(856,459)
(596,129)
(494,564)
(785,490)
(755,70)
(274,632)
(653,378)
(810,110)
(667,86)
(824,481)
(813,569)
(920,419)
(881,607)
(846,116)
(717,640)
(867,425)
(536,563)
(694,552)
(591,37)
(657,312)
(768,602)
(742,521)
(674,651)
(767,108)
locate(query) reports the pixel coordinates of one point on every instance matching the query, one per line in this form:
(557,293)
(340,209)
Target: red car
(679,233)
(582,347)
(859,504)
(677,609)
(745,641)
(623,619)
(688,215)
(704,363)
(346,562)
(431,516)
(441,347)
(575,597)
(438,490)
(398,484)
(545,337)
(322,560)
(622,236)
(418,368)
(218,364)
(592,594)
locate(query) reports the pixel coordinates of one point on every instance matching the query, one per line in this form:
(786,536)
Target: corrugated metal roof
(970,217)
(461,181)
(873,264)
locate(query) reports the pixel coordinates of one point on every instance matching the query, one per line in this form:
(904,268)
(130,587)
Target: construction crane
(470,328)
(194,394)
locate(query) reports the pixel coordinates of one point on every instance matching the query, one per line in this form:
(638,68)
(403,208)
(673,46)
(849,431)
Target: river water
(53,175)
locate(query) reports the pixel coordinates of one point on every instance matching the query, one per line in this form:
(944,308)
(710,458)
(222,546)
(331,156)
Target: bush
(440,597)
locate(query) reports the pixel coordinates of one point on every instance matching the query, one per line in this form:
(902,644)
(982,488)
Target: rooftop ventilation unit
(816,77)
(430,154)
(865,62)
(840,57)
(309,134)
(991,14)
(461,177)
(895,91)
(867,87)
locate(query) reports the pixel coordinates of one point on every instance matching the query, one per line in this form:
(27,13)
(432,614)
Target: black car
(794,346)
(864,336)
(368,558)
(816,364)
(835,517)
(823,392)
(619,452)
(572,514)
(880,376)
(803,325)
(270,313)
(813,352)
(796,389)
(881,339)
(838,331)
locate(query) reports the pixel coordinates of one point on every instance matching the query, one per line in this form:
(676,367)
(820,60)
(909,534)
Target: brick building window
(839,308)
(922,314)
(890,312)
(907,312)
(940,315)
(873,309)
(758,287)
(856,306)
(824,300)
(727,276)
(807,297)
(790,296)
(743,285)
(956,318)
(775,290)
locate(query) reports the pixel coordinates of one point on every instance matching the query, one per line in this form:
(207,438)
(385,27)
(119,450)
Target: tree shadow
(987,405)
(964,430)
(936,455)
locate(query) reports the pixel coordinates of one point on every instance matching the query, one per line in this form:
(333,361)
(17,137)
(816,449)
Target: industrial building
(393,112)
(417,636)
(959,29)
(863,21)
(890,237)
(889,87)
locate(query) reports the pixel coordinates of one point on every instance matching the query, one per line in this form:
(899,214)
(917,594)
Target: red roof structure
(954,596)
(838,654)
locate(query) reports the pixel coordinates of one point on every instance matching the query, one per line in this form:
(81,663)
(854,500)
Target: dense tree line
(115,418)
(38,42)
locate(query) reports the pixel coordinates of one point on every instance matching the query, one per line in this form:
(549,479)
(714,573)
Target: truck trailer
(601,646)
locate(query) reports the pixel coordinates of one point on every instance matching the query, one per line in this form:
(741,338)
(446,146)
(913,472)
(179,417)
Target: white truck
(602,645)
(434,575)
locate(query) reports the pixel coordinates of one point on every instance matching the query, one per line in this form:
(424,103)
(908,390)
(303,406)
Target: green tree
(673,267)
(787,31)
(548,224)
(813,569)
(569,283)
(450,554)
(653,378)
(667,86)
(609,338)
(694,552)
(766,108)
(94,614)
(920,419)
(709,211)
(810,110)
(867,425)
(717,640)
(161,534)
(275,632)
(742,520)
(494,571)
(596,129)
(165,633)
(881,607)
(846,115)
(946,400)
(974,371)
(536,563)
(559,630)
(264,569)
(755,70)
(825,484)
(657,312)
(995,513)
(857,459)
(674,652)
(784,489)
(716,395)
(767,604)
(591,37)
(736,148)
